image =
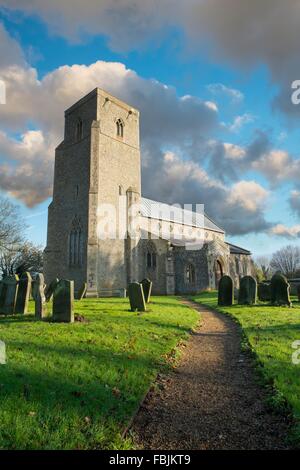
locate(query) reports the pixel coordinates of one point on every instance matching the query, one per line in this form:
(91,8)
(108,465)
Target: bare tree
(11,225)
(286,260)
(21,258)
(263,263)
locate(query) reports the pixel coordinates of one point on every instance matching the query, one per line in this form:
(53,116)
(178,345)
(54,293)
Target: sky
(213,83)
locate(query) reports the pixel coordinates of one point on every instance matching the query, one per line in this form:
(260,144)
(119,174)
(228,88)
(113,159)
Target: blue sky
(237,149)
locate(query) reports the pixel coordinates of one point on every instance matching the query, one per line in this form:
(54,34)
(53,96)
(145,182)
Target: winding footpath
(212,399)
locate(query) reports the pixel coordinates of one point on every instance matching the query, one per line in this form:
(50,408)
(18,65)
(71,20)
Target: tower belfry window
(120,128)
(79,130)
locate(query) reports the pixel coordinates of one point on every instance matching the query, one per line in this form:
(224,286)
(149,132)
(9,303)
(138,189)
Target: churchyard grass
(270,332)
(76,386)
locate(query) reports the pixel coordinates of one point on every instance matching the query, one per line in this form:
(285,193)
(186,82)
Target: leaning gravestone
(82,291)
(248,291)
(136,297)
(11,295)
(50,289)
(147,288)
(225,292)
(23,293)
(280,290)
(63,300)
(264,291)
(40,300)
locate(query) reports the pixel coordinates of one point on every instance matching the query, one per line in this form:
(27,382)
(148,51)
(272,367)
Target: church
(98,171)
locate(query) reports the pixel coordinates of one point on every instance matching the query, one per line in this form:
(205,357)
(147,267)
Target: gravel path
(211,400)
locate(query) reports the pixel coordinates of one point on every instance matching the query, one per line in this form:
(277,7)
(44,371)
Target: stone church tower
(98,160)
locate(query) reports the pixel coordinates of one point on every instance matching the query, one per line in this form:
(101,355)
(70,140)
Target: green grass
(270,332)
(76,386)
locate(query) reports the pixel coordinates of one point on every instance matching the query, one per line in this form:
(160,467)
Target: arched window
(151,257)
(120,128)
(79,130)
(190,274)
(75,244)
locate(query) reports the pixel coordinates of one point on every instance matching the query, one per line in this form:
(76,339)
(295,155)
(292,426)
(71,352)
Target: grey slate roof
(237,250)
(169,213)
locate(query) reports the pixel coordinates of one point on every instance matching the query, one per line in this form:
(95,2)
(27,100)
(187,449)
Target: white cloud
(278,166)
(234,152)
(221,89)
(286,232)
(248,194)
(240,121)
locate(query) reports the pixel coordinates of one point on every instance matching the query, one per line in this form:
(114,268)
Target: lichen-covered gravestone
(147,288)
(248,291)
(280,290)
(225,292)
(264,291)
(50,289)
(40,300)
(11,295)
(82,291)
(136,297)
(23,293)
(63,301)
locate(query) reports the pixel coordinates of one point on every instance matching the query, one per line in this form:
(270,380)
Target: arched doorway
(218,272)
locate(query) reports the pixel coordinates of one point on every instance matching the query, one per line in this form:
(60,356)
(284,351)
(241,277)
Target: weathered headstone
(136,297)
(248,291)
(11,295)
(225,292)
(82,291)
(23,293)
(50,289)
(264,291)
(147,288)
(40,300)
(63,301)
(280,290)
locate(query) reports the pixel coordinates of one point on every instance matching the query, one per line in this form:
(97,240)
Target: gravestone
(264,291)
(225,292)
(280,290)
(248,291)
(23,293)
(63,300)
(147,288)
(136,297)
(40,300)
(11,295)
(82,291)
(50,289)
